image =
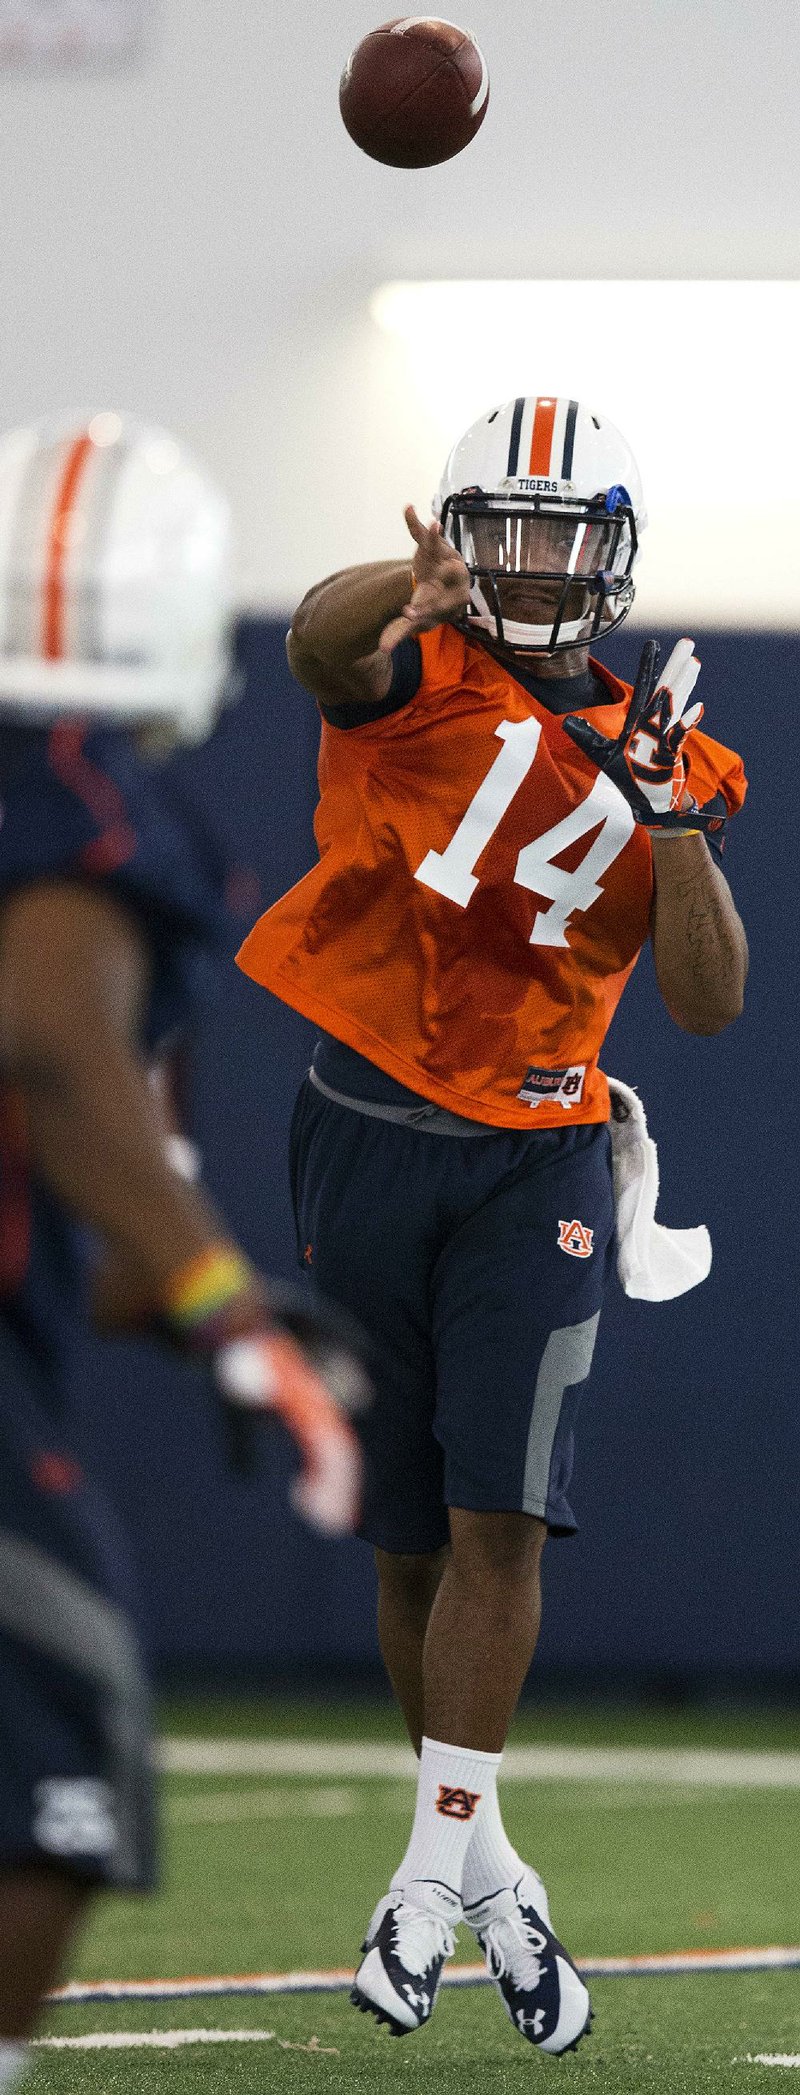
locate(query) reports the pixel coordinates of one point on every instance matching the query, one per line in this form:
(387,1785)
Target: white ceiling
(196,240)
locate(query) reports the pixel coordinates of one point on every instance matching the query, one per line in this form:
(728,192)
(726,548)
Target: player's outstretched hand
(647,761)
(442,584)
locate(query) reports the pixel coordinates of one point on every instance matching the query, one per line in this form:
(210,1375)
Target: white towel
(654,1264)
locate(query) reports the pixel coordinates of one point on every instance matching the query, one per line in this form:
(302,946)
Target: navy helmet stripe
(569,440)
(516,431)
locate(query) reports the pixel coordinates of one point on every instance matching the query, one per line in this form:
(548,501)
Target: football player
(113,609)
(502,826)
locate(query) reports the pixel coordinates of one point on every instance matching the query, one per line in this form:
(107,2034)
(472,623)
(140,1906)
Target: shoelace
(521,1958)
(412,1931)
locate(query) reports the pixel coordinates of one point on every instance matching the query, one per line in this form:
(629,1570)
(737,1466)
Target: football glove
(647,761)
(277,1353)
(295,1366)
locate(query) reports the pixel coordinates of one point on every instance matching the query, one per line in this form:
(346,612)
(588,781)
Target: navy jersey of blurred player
(113,605)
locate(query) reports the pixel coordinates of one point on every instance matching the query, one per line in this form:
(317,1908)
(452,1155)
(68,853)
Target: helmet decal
(544,440)
(516,427)
(569,440)
(540,463)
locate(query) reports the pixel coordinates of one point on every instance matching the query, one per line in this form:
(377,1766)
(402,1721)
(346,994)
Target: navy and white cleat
(407,1947)
(385,1905)
(541,1991)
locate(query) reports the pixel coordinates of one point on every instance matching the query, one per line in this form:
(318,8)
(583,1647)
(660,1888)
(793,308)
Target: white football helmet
(543,500)
(115,578)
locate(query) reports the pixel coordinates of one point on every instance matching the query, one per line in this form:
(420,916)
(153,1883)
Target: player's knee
(410,1581)
(497,1547)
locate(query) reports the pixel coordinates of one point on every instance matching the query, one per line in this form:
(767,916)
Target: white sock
(453,1787)
(492,1862)
(13,2061)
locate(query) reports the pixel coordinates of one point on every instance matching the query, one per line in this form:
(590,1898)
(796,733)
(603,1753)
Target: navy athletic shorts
(477,1267)
(76,1785)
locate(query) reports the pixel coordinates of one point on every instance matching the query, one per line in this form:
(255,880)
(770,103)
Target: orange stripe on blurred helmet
(53,623)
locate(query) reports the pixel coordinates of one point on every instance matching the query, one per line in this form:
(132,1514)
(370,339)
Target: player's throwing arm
(346,628)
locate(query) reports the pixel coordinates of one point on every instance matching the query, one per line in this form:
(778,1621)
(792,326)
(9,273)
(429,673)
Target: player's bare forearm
(94,1142)
(73,983)
(699,943)
(333,645)
(345,630)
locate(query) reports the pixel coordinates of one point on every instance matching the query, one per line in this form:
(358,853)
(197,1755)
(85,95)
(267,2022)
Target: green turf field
(274,1873)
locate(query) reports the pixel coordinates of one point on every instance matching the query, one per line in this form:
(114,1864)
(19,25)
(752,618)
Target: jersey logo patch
(559,1087)
(575,1238)
(457,1803)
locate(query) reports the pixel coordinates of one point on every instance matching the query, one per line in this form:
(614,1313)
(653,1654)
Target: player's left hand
(647,761)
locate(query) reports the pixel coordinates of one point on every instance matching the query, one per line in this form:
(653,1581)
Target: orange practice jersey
(481,897)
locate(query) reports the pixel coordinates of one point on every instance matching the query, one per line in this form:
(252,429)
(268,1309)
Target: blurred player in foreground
(113,608)
(502,825)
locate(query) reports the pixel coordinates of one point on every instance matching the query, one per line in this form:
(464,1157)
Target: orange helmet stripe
(542,438)
(53,634)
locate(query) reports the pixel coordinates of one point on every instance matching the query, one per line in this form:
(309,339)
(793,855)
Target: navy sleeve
(406,680)
(716,844)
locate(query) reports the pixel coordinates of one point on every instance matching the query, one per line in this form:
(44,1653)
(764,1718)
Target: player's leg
(367,1207)
(511,1359)
(407,1589)
(480,1640)
(76,1808)
(41,1907)
(483,1627)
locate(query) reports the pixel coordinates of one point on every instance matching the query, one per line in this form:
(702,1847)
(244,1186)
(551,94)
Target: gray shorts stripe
(565,1362)
(58,1614)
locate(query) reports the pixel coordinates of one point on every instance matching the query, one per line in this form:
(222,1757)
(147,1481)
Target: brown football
(414,92)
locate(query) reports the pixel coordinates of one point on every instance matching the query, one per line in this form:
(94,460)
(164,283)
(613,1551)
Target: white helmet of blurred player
(543,500)
(115,577)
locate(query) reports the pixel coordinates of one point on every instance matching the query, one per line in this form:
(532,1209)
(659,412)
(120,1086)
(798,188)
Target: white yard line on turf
(223,1807)
(670,1962)
(169,2040)
(769,2058)
(333,1759)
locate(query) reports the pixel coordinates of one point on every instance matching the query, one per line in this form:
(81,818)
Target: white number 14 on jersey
(451,872)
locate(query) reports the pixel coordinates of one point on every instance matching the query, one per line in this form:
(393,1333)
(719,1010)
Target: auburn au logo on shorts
(575,1238)
(457,1803)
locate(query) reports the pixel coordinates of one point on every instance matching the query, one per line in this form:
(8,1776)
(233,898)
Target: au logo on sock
(457,1803)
